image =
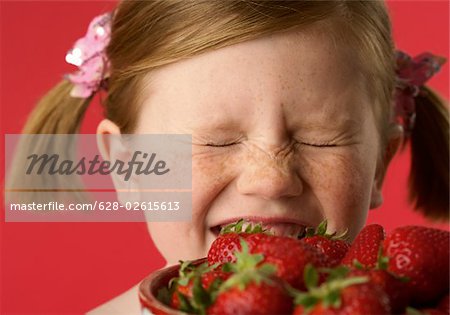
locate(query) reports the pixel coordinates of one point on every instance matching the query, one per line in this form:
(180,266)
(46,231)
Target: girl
(295,109)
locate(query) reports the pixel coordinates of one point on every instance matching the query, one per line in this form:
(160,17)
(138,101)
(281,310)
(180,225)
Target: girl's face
(283,132)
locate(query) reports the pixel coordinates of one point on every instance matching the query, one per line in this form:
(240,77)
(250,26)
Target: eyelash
(319,145)
(316,145)
(214,145)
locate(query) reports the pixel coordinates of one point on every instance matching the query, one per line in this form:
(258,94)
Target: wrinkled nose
(269,176)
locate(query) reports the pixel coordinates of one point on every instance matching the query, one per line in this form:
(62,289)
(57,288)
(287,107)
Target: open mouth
(288,229)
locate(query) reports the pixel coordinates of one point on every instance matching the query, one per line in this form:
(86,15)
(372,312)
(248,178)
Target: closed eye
(220,145)
(319,145)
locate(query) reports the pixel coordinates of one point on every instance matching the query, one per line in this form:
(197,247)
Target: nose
(269,177)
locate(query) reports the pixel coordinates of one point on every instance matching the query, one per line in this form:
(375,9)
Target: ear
(395,139)
(112,148)
(104,129)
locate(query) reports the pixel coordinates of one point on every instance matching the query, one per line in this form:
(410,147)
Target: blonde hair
(149,34)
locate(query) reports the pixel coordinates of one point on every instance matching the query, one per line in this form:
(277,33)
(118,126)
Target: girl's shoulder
(125,303)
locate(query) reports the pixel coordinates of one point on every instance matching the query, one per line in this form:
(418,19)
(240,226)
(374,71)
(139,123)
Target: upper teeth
(286,229)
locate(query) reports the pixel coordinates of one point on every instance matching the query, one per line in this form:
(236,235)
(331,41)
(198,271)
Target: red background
(67,268)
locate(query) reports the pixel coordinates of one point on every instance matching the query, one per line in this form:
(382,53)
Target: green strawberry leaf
(346,282)
(185,305)
(164,295)
(337,273)
(267,269)
(214,288)
(185,266)
(247,269)
(311,276)
(238,226)
(382,261)
(201,297)
(310,231)
(189,271)
(332,299)
(404,279)
(173,282)
(307,301)
(412,311)
(228,267)
(244,259)
(322,228)
(183,281)
(329,292)
(358,265)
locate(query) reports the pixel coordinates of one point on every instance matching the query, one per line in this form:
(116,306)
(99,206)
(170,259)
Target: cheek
(210,174)
(189,240)
(342,183)
(178,240)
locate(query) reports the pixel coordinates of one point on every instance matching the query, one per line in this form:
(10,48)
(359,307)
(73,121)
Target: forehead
(301,69)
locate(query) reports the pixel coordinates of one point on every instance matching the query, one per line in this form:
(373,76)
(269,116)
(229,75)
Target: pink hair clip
(88,54)
(412,74)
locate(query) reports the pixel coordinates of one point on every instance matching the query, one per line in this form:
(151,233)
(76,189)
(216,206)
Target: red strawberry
(207,280)
(260,298)
(422,255)
(444,304)
(252,289)
(341,296)
(290,256)
(365,247)
(228,241)
(331,245)
(183,293)
(395,288)
(425,311)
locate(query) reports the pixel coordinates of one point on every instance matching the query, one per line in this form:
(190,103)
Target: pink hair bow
(88,54)
(412,74)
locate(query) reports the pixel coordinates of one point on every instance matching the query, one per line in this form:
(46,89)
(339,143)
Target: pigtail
(56,113)
(61,111)
(429,175)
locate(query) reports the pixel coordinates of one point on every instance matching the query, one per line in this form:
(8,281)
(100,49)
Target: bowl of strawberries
(248,270)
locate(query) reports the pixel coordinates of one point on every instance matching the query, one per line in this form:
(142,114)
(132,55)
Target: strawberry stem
(321,230)
(329,292)
(237,227)
(246,269)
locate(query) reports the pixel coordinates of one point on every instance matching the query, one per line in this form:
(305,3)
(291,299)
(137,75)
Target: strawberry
(252,289)
(290,256)
(260,298)
(432,311)
(331,245)
(424,311)
(340,295)
(395,288)
(422,255)
(228,241)
(194,279)
(444,304)
(365,247)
